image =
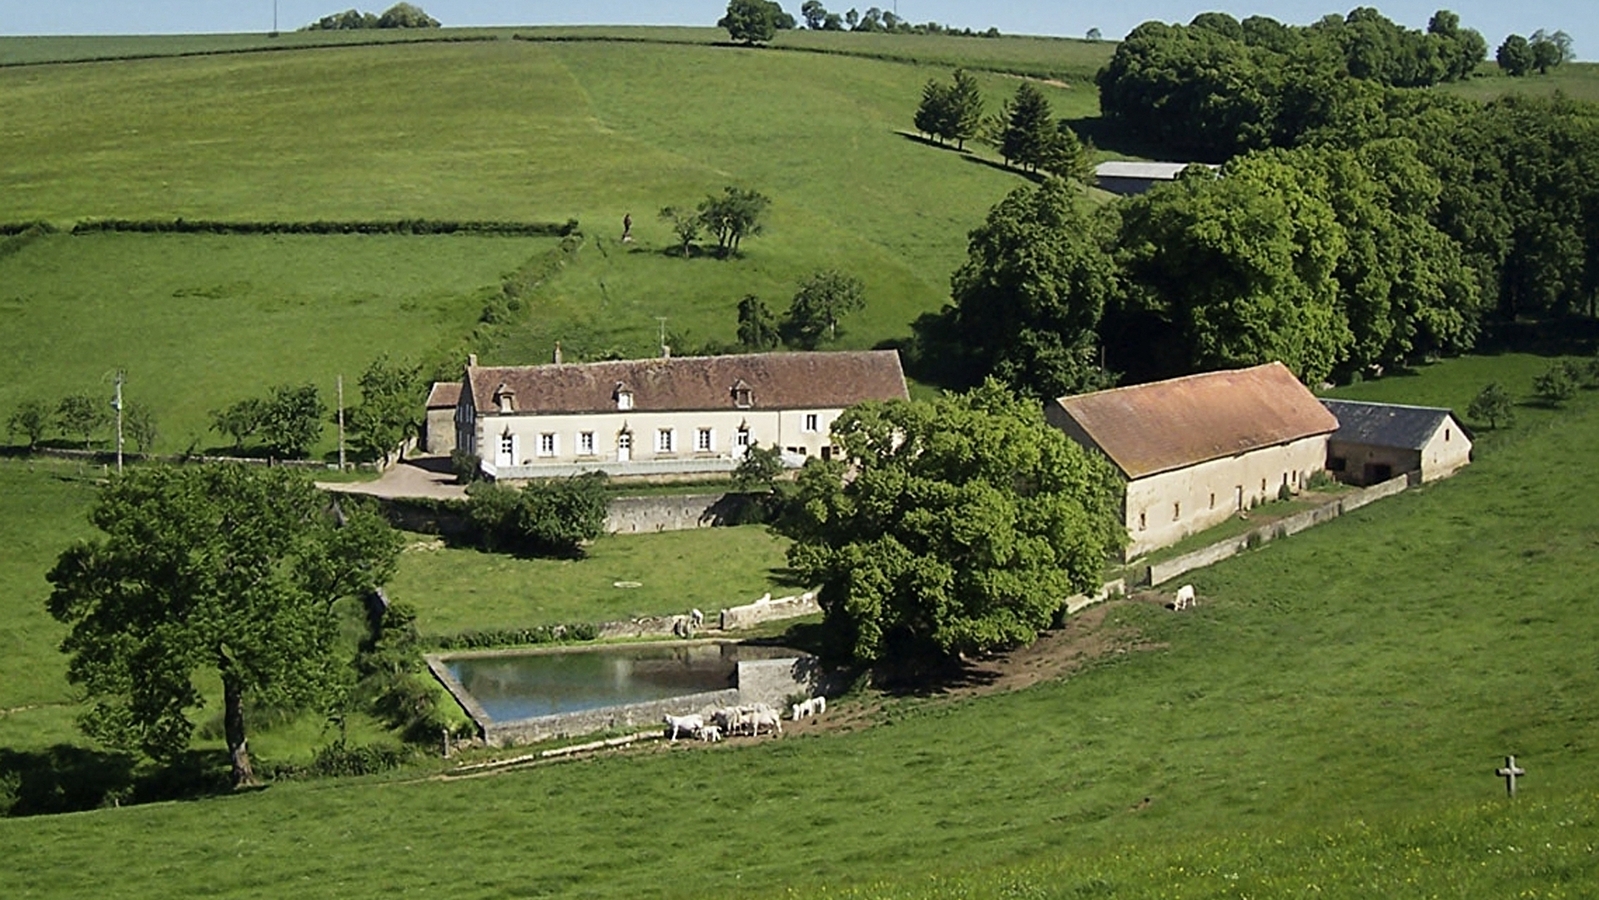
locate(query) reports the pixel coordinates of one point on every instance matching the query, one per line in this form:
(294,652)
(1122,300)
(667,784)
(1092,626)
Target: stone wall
(768,610)
(610,718)
(774,681)
(643,515)
(1158,573)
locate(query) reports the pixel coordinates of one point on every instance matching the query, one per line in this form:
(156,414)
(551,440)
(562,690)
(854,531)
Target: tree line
(1024,130)
(400,15)
(758,21)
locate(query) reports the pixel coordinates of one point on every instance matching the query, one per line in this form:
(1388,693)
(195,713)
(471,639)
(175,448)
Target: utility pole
(274,18)
(341,423)
(665,350)
(116,404)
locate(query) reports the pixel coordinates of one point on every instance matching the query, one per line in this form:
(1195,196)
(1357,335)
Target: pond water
(524,686)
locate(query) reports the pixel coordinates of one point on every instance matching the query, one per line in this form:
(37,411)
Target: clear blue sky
(1494,18)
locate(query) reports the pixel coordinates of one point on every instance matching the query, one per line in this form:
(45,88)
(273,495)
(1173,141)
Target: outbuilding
(1198,449)
(1378,441)
(1128,177)
(438,429)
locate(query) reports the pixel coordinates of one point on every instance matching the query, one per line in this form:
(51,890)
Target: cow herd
(735,721)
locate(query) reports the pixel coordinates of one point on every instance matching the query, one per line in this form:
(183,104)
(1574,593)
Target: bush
(1321,478)
(1492,405)
(547,518)
(517,637)
(1557,385)
(1284,493)
(468,467)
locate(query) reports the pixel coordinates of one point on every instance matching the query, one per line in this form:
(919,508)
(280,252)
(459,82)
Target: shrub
(1283,493)
(468,467)
(1321,478)
(1492,405)
(547,518)
(1557,385)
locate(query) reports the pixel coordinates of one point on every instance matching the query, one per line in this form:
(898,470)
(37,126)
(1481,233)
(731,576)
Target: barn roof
(1154,171)
(1386,424)
(444,394)
(1150,428)
(773,381)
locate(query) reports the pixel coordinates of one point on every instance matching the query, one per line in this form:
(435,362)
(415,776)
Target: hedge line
(514,637)
(397,226)
(229,51)
(18,236)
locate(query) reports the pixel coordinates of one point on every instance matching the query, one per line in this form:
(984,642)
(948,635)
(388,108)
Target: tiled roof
(1386,424)
(775,381)
(1164,425)
(444,394)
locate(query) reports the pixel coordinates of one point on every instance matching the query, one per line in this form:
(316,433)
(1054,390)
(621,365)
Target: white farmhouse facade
(663,417)
(1199,449)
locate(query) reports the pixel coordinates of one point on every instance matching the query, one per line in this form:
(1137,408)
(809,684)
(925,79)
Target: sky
(1494,18)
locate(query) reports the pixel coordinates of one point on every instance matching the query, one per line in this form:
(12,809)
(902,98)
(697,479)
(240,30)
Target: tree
(751,21)
(852,18)
(1063,154)
(758,470)
(241,421)
(814,14)
(552,517)
(291,420)
(221,568)
(1549,50)
(1036,281)
(391,394)
(1492,405)
(822,299)
(1515,56)
(958,526)
(933,117)
(1558,384)
(82,415)
(756,329)
(1030,131)
(1093,35)
(404,15)
(965,108)
(138,421)
(686,224)
(734,215)
(31,420)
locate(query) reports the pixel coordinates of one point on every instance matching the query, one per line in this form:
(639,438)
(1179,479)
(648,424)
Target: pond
(511,687)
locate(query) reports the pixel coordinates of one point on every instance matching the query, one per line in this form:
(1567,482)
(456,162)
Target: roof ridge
(1193,376)
(1442,409)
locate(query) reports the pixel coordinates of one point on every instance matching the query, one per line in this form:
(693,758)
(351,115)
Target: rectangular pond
(528,685)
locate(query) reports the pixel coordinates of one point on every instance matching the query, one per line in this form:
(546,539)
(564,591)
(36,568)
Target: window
(1143,522)
(585,443)
(742,397)
(1446,435)
(1176,511)
(703,440)
(546,444)
(741,440)
(624,400)
(1263,485)
(811,421)
(1212,501)
(665,440)
(507,445)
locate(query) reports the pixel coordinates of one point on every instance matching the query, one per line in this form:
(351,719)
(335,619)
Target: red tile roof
(1165,425)
(775,381)
(444,394)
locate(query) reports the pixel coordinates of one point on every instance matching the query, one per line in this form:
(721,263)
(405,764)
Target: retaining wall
(768,610)
(1158,573)
(642,515)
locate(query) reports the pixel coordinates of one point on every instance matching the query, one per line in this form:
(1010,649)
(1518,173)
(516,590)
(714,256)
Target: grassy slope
(459,590)
(1577,80)
(201,321)
(1370,671)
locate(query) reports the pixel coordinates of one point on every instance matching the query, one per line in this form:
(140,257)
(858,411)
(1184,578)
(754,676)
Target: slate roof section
(1386,424)
(818,380)
(1150,428)
(445,394)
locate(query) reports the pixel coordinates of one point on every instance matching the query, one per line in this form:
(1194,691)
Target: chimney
(557,352)
(471,359)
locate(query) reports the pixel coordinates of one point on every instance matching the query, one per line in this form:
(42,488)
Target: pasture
(1579,81)
(1329,714)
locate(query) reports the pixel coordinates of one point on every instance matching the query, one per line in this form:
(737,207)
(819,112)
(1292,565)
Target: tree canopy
(964,525)
(222,568)
(823,298)
(754,21)
(732,216)
(391,395)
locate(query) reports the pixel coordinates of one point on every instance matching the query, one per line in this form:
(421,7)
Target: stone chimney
(471,359)
(557,352)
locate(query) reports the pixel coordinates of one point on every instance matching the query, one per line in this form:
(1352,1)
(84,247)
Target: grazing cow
(710,733)
(690,725)
(696,619)
(801,710)
(821,704)
(1185,597)
(768,719)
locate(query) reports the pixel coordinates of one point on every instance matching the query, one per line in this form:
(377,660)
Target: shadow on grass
(66,778)
(1554,336)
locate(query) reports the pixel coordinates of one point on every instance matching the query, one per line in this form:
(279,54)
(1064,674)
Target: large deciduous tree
(1035,283)
(82,415)
(754,21)
(221,568)
(757,331)
(822,299)
(30,420)
(732,216)
(964,524)
(391,395)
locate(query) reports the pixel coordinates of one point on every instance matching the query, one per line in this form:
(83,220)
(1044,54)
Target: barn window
(666,440)
(1176,511)
(1446,435)
(585,443)
(1143,522)
(1213,501)
(547,444)
(704,440)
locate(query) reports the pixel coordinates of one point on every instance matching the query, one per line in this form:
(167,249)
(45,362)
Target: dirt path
(427,476)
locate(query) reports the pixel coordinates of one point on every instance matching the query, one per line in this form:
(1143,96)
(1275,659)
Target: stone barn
(438,429)
(1378,441)
(1199,449)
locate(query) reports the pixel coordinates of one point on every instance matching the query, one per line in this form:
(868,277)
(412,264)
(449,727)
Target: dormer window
(743,397)
(505,398)
(623,395)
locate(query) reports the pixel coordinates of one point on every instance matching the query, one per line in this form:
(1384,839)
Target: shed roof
(444,394)
(1150,428)
(1387,424)
(1154,171)
(774,381)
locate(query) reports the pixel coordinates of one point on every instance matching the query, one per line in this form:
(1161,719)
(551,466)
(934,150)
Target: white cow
(801,710)
(696,619)
(1185,597)
(765,718)
(690,725)
(711,733)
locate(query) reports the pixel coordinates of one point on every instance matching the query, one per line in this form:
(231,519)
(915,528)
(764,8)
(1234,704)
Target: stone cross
(1508,772)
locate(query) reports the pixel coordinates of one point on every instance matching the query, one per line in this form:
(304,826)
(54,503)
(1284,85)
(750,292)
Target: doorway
(624,446)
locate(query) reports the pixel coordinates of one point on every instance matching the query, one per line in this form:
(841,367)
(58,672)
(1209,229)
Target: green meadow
(1326,722)
(1579,81)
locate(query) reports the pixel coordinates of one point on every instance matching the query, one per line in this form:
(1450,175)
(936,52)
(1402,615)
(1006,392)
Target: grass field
(1331,714)
(456,590)
(199,322)
(1579,81)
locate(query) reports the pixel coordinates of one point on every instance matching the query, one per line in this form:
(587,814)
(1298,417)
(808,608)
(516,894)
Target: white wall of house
(715,438)
(1164,508)
(1445,452)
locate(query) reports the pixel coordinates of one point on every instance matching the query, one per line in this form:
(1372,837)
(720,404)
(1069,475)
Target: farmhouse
(670,416)
(1378,441)
(1198,449)
(438,429)
(1126,177)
